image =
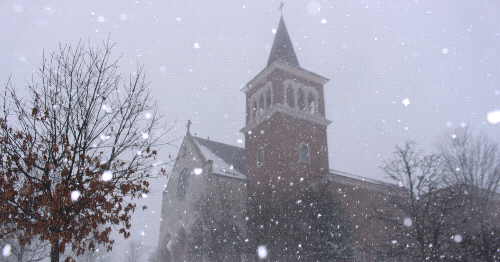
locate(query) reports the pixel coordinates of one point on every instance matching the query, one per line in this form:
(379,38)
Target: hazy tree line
(442,206)
(445,206)
(308,225)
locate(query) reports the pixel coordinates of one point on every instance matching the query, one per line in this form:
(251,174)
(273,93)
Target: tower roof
(282,47)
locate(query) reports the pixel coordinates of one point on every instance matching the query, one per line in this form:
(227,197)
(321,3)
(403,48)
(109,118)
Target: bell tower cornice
(279,65)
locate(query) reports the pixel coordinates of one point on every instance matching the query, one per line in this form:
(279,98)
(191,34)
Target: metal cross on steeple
(281,8)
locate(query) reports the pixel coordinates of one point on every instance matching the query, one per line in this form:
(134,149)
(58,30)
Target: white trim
(277,64)
(306,89)
(295,112)
(255,98)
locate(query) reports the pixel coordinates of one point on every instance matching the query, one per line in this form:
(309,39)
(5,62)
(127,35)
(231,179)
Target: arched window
(260,100)
(301,100)
(268,98)
(290,98)
(304,153)
(311,104)
(260,156)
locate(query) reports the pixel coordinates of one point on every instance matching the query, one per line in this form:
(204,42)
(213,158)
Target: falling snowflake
(148,115)
(406,101)
(123,17)
(145,135)
(75,195)
(445,50)
(6,250)
(262,251)
(107,175)
(144,195)
(198,171)
(196,45)
(493,117)
(101,19)
(313,7)
(407,222)
(104,137)
(323,21)
(457,238)
(107,108)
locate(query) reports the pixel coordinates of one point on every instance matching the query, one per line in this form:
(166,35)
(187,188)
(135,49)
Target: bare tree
(216,235)
(33,251)
(316,225)
(76,147)
(135,251)
(471,160)
(418,205)
(472,163)
(308,224)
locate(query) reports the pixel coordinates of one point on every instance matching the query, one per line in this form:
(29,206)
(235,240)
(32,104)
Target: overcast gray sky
(440,56)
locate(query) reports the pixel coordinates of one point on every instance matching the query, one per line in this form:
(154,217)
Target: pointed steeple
(282,47)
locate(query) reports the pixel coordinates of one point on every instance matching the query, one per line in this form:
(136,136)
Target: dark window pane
(301,99)
(311,103)
(261,104)
(268,98)
(260,157)
(290,98)
(304,153)
(254,109)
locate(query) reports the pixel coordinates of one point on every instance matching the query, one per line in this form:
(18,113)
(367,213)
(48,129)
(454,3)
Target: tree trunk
(54,251)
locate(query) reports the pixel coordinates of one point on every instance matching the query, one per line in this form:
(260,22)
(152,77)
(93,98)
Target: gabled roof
(282,47)
(227,160)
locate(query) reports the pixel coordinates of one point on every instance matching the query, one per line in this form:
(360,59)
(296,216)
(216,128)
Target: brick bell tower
(285,131)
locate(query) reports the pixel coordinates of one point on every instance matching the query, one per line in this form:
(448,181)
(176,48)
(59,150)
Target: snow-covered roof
(227,160)
(356,180)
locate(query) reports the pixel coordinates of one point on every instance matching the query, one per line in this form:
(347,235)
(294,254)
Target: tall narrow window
(261,104)
(260,157)
(254,109)
(304,153)
(310,103)
(268,98)
(290,98)
(301,100)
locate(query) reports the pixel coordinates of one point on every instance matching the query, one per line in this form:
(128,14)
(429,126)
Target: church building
(285,145)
